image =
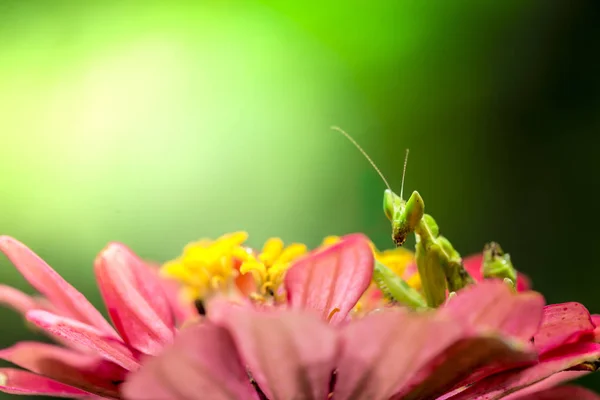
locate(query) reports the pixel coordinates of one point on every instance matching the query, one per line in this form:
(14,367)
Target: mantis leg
(451,262)
(396,289)
(432,276)
(439,265)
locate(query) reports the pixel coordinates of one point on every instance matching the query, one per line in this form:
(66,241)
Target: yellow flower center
(269,267)
(206,266)
(397,260)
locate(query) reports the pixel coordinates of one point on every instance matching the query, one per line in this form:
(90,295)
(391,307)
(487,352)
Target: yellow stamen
(271,251)
(217,282)
(188,294)
(329,240)
(206,266)
(358,307)
(257,298)
(414,281)
(395,259)
(3,379)
(270,266)
(332,313)
(291,252)
(257,269)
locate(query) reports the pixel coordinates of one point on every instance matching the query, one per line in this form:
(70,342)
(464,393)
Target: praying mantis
(438,263)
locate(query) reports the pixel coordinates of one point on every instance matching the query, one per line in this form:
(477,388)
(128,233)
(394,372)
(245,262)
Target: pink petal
(16,299)
(84,371)
(289,354)
(473,263)
(135,300)
(85,335)
(330,279)
(48,282)
(45,304)
(523,282)
(22,303)
(548,383)
(596,322)
(455,366)
(491,305)
(145,278)
(181,311)
(500,385)
(493,308)
(16,381)
(372,300)
(201,364)
(413,356)
(563,393)
(563,323)
(382,352)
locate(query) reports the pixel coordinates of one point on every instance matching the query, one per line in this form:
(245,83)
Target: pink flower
(566,349)
(485,343)
(95,356)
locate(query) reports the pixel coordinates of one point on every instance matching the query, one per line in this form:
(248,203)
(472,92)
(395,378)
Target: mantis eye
(388,203)
(414,211)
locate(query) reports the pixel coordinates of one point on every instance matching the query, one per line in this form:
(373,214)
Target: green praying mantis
(438,263)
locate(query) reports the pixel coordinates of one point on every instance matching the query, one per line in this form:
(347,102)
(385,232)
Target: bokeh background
(157,123)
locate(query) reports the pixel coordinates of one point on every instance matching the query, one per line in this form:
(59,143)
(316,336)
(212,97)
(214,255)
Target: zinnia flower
(486,342)
(95,357)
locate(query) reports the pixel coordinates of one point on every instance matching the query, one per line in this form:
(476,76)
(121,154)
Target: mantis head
(497,263)
(404,215)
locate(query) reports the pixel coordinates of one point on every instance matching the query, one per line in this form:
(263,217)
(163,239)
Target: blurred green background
(157,123)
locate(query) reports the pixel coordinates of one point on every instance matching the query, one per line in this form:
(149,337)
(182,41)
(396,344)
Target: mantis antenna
(404,173)
(364,153)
